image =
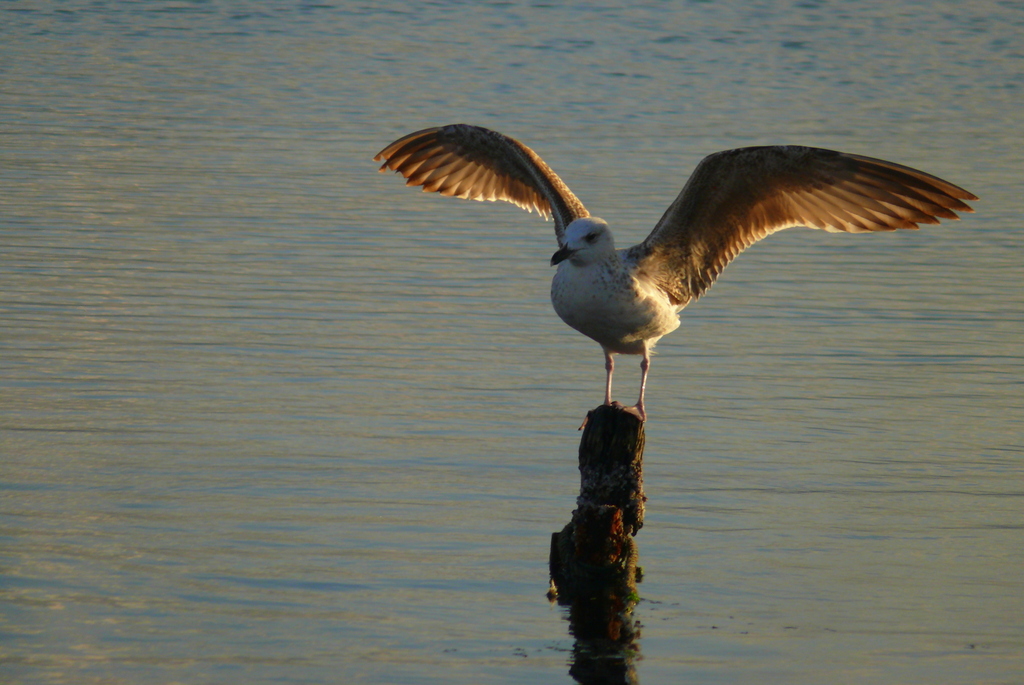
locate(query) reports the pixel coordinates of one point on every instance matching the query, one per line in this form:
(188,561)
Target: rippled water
(267,416)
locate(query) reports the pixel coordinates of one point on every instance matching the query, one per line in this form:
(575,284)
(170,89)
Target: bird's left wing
(737,197)
(480,164)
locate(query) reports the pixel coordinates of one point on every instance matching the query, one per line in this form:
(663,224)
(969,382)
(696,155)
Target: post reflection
(607,637)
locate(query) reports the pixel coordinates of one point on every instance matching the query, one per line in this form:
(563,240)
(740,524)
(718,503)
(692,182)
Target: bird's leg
(609,366)
(645,364)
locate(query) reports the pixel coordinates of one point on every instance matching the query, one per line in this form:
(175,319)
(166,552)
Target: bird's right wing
(737,197)
(479,164)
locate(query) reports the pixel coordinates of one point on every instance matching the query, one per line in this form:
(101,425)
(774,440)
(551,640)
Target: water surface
(267,416)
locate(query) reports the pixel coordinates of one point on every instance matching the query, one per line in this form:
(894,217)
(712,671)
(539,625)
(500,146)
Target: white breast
(605,302)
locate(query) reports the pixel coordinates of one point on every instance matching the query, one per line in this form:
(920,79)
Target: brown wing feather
(738,197)
(479,164)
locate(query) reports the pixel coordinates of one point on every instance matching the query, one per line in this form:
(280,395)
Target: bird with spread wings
(627,299)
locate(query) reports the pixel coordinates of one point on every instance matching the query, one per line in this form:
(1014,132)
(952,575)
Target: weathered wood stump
(593,560)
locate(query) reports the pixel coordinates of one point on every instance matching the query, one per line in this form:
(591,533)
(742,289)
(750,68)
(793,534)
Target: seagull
(628,299)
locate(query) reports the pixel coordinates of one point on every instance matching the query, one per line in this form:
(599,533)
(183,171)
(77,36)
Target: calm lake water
(268,416)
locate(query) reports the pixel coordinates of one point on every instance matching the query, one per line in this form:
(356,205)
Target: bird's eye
(591,237)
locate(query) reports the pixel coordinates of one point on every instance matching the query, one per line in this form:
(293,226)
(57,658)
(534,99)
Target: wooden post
(593,560)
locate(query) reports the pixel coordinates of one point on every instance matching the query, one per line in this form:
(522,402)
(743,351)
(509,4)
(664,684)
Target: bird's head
(587,240)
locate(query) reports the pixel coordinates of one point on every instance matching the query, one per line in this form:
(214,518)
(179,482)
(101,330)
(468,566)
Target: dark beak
(562,255)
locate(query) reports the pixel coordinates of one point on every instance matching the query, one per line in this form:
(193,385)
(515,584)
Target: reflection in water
(607,637)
